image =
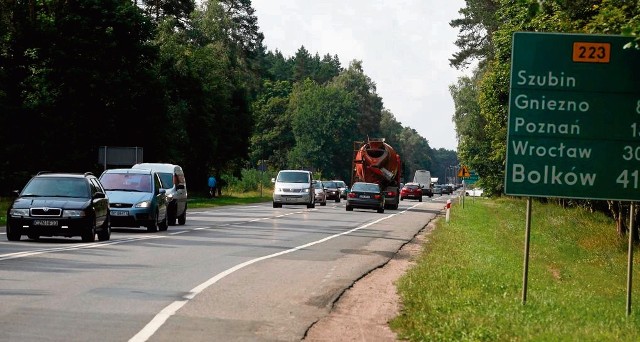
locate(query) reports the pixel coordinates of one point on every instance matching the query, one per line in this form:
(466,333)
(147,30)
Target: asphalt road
(239,273)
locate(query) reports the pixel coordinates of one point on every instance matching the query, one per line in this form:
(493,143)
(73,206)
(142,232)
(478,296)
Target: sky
(404,46)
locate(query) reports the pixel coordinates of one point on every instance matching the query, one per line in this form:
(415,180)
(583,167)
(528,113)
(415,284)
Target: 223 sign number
(591,52)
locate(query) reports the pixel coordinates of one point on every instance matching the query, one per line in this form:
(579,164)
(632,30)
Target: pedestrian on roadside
(212,186)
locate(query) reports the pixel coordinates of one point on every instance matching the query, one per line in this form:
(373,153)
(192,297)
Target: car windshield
(341,184)
(411,187)
(293,177)
(332,185)
(56,187)
(364,187)
(319,185)
(126,182)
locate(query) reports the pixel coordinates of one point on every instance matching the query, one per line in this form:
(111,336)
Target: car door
(100,203)
(160,195)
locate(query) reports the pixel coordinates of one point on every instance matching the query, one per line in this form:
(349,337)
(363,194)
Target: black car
(332,189)
(60,204)
(366,196)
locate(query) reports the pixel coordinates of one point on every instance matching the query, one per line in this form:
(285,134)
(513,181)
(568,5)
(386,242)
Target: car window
(126,182)
(330,185)
(167,180)
(56,187)
(293,177)
(365,187)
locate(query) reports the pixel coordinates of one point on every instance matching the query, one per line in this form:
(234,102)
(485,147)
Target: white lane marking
(25,254)
(171,309)
(74,247)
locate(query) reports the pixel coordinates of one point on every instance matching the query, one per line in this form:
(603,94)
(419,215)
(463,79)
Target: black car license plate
(47,223)
(119,213)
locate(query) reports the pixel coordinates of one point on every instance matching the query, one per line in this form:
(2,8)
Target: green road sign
(574,117)
(472,179)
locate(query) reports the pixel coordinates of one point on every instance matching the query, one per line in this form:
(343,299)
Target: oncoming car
(60,204)
(320,193)
(136,198)
(293,187)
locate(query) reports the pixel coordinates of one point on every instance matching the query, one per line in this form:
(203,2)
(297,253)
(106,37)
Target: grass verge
(467,283)
(231,198)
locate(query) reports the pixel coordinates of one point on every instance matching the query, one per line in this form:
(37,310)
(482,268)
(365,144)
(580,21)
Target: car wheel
(338,200)
(171,218)
(323,203)
(311,205)
(182,219)
(89,235)
(33,236)
(349,208)
(277,205)
(105,233)
(164,224)
(11,235)
(420,199)
(153,225)
(402,198)
(381,210)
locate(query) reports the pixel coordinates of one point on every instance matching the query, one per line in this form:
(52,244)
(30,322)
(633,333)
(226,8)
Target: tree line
(191,83)
(481,99)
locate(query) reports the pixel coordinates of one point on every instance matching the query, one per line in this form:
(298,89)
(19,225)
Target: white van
(174,183)
(423,177)
(293,187)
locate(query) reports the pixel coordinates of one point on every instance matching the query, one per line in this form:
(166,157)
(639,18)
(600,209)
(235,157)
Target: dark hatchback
(332,189)
(365,196)
(60,204)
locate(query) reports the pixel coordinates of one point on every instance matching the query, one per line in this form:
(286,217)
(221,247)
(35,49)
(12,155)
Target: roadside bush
(250,180)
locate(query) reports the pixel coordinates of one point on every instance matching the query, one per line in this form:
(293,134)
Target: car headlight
(306,190)
(73,213)
(169,197)
(143,204)
(19,212)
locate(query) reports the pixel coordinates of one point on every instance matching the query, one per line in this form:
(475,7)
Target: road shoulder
(363,311)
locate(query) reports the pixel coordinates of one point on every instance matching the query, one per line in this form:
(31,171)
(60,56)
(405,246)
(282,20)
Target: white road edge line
(171,309)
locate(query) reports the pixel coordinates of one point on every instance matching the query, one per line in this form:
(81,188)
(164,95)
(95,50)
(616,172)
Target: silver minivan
(293,187)
(175,184)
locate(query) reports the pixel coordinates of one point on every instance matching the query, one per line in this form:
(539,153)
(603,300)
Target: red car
(411,190)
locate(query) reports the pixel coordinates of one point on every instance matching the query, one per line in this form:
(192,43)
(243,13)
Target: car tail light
(391,193)
(351,195)
(377,196)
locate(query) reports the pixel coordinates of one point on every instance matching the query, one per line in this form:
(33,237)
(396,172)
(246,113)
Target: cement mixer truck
(375,161)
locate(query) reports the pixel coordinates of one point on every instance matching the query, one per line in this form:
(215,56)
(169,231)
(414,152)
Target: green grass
(230,198)
(467,283)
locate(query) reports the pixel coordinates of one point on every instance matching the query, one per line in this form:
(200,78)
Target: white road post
(448,207)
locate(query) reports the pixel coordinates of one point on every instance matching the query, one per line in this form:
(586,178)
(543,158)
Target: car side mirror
(273,180)
(180,187)
(99,195)
(162,191)
(15,193)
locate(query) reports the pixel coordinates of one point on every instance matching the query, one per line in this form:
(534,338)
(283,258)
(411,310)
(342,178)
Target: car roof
(132,171)
(160,167)
(63,174)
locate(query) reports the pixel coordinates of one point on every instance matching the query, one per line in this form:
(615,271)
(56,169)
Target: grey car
(320,193)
